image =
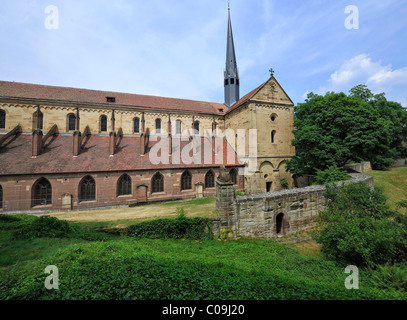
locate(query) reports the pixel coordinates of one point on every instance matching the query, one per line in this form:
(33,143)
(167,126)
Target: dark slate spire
(231,71)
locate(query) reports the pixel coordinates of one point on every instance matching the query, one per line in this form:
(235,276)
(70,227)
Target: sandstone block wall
(274,213)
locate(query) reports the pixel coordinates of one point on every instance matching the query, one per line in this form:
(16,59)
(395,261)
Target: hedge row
(178,228)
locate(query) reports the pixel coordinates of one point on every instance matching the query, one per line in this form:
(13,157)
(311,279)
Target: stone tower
(231,73)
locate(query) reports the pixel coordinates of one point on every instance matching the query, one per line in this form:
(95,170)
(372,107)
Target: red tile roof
(43,93)
(57,157)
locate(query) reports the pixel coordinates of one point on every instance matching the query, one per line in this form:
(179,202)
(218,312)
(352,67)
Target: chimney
(76,143)
(36,143)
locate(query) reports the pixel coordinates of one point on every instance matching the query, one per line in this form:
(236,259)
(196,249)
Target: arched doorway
(279,223)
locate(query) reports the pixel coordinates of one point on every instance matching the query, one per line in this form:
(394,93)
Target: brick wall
(18,190)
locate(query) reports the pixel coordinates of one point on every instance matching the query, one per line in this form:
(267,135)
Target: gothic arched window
(71,122)
(196,127)
(87,189)
(103,123)
(124,185)
(178,127)
(209,179)
(42,192)
(136,125)
(186,181)
(157,183)
(158,126)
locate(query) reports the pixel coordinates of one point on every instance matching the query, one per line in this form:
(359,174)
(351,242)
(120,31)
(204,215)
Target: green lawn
(99,265)
(393,183)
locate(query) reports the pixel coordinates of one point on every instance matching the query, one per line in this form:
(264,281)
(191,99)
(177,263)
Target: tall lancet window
(136,125)
(71,122)
(103,123)
(158,126)
(2,119)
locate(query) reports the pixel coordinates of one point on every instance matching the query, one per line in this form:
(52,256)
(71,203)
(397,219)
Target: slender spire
(231,73)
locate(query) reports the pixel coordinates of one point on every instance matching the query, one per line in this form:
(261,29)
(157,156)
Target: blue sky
(176,48)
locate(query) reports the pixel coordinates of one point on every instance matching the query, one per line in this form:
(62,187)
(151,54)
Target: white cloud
(378,78)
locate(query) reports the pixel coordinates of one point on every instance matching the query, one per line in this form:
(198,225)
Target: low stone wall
(399,163)
(274,213)
(359,167)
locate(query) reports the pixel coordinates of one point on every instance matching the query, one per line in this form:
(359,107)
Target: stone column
(225,198)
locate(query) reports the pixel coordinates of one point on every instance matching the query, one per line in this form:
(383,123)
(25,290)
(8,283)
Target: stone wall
(399,163)
(359,167)
(274,213)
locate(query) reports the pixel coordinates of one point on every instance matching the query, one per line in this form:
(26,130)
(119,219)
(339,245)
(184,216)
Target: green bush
(284,183)
(178,228)
(364,241)
(354,200)
(330,175)
(391,277)
(43,227)
(8,218)
(359,228)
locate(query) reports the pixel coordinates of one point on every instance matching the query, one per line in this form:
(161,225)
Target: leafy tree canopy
(336,129)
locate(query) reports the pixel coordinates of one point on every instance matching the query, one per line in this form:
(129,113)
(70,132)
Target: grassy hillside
(393,183)
(103,266)
(99,265)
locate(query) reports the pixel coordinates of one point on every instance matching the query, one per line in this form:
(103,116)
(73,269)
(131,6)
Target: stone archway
(281,224)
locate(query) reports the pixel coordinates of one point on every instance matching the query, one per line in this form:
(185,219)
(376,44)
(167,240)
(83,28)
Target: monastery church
(68,148)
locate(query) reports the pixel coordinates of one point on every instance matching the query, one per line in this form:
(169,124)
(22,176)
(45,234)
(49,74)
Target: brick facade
(18,190)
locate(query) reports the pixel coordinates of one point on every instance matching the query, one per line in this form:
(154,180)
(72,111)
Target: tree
(361,92)
(337,129)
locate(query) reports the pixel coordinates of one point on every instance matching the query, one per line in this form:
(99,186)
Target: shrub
(364,241)
(284,183)
(8,218)
(359,228)
(179,228)
(391,277)
(355,200)
(330,175)
(43,227)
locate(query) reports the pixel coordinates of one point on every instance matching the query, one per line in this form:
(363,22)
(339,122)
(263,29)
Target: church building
(68,148)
